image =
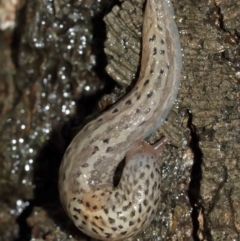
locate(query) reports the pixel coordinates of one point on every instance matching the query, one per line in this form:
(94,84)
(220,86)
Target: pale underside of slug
(86,173)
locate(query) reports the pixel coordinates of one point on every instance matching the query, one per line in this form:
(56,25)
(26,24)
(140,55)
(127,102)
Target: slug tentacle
(88,166)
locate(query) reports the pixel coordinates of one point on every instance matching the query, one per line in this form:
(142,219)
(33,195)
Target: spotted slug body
(87,170)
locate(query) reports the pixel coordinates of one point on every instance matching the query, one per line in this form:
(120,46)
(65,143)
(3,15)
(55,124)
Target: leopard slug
(96,207)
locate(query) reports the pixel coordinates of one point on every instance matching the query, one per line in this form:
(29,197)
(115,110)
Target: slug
(96,207)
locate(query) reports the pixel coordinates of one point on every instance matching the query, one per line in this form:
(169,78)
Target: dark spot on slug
(105,210)
(88,204)
(111,220)
(123,233)
(115,110)
(138,97)
(106,141)
(152,38)
(99,120)
(108,235)
(109,149)
(162,41)
(94,230)
(141,175)
(154,52)
(152,175)
(140,208)
(120,226)
(156,201)
(96,217)
(146,82)
(125,208)
(145,202)
(146,192)
(94,224)
(85,165)
(148,166)
(131,223)
(75,217)
(113,207)
(94,207)
(148,210)
(114,229)
(86,217)
(128,102)
(137,111)
(95,149)
(162,52)
(128,191)
(161,71)
(151,71)
(123,218)
(147,183)
(150,93)
(77,210)
(132,213)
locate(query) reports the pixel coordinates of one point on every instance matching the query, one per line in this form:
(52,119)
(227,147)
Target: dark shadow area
(98,40)
(17,34)
(24,230)
(196,177)
(118,173)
